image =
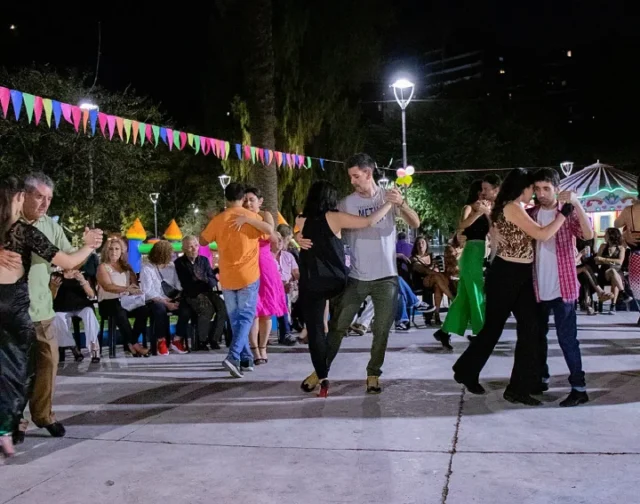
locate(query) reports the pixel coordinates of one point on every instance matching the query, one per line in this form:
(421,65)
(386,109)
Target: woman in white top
(115,280)
(162,301)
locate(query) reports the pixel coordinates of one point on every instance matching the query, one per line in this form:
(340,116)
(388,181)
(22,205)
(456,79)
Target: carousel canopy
(602,188)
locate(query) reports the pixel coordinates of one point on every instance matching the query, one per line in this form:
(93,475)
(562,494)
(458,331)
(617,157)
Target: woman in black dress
(323,270)
(17,332)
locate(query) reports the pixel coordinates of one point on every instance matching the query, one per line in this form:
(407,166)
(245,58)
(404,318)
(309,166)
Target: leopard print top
(517,243)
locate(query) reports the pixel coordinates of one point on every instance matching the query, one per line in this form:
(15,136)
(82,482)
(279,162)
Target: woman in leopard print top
(509,289)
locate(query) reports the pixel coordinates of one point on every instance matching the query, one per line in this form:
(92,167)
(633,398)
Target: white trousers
(366,316)
(63,328)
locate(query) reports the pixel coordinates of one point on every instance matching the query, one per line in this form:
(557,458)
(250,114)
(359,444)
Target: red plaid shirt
(566,254)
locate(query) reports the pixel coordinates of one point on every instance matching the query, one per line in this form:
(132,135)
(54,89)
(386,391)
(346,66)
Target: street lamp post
(225,180)
(88,106)
(154,199)
(403,91)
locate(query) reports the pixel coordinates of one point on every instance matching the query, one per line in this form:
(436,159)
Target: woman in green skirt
(468,305)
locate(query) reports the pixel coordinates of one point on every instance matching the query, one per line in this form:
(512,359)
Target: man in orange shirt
(237,232)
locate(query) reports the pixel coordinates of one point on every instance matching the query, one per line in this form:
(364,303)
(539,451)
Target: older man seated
(198,283)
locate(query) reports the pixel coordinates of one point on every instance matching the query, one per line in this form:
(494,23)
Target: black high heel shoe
(77,354)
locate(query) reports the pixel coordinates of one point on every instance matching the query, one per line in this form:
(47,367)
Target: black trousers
(204,306)
(17,354)
(509,289)
(112,308)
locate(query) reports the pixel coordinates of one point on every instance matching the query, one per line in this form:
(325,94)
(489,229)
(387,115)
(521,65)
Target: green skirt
(468,305)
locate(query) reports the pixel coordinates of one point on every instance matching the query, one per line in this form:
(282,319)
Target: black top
(71,297)
(478,230)
(25,240)
(195,278)
(322,267)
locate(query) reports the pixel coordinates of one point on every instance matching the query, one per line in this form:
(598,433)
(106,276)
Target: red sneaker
(178,347)
(162,347)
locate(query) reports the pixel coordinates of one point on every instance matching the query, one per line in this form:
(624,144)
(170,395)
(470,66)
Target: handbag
(169,290)
(132,301)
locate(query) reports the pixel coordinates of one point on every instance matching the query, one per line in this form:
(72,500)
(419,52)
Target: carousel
(603,190)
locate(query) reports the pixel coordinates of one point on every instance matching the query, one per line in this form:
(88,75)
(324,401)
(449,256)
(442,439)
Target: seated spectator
(422,265)
(362,320)
(610,259)
(407,300)
(161,287)
(117,280)
(586,267)
(403,256)
(452,253)
(290,274)
(198,285)
(72,297)
(297,320)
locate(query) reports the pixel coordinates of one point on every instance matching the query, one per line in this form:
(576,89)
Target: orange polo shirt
(238,250)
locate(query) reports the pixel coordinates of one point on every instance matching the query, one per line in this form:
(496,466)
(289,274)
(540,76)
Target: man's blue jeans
(241,307)
(406,299)
(564,315)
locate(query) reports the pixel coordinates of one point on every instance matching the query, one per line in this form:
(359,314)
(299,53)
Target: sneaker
(575,398)
(403,326)
(247,366)
(310,383)
(178,347)
(233,368)
(358,329)
(288,340)
(162,348)
(612,311)
(373,385)
(425,307)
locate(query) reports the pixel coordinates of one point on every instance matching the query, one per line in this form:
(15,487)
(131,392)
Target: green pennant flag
(156,132)
(227,146)
(142,128)
(190,139)
(253,154)
(48,109)
(127,128)
(176,139)
(28,100)
(308,161)
(196,140)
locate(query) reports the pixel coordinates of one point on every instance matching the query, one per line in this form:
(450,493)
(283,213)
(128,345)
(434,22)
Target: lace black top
(25,240)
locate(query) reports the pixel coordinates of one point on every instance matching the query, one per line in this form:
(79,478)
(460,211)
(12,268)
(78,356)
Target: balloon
(401,172)
(408,180)
(410,170)
(400,181)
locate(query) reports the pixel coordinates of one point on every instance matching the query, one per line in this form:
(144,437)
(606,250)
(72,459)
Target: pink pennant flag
(170,138)
(77,115)
(261,154)
(213,143)
(66,112)
(37,108)
(289,161)
(247,152)
(120,126)
(204,143)
(148,133)
(300,161)
(5,98)
(102,120)
(223,149)
(85,119)
(183,139)
(111,123)
(278,155)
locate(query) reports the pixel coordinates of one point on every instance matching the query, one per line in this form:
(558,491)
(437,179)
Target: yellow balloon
(400,181)
(408,180)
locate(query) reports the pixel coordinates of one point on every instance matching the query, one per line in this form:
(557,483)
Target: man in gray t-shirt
(373,265)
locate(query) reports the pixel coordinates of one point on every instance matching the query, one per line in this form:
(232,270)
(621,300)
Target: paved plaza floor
(178,429)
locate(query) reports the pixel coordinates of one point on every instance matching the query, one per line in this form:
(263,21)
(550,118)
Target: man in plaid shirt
(555,279)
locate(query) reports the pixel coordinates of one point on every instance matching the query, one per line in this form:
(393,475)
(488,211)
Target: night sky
(159,51)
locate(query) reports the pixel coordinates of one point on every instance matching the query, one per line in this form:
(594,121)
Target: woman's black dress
(17,332)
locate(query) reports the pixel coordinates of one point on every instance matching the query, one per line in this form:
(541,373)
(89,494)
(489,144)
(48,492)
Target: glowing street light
(154,196)
(225,180)
(567,168)
(403,91)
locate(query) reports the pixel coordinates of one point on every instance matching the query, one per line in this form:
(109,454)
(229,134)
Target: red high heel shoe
(6,444)
(324,389)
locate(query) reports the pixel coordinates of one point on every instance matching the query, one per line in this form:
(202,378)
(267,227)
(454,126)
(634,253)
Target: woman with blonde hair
(116,280)
(161,288)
